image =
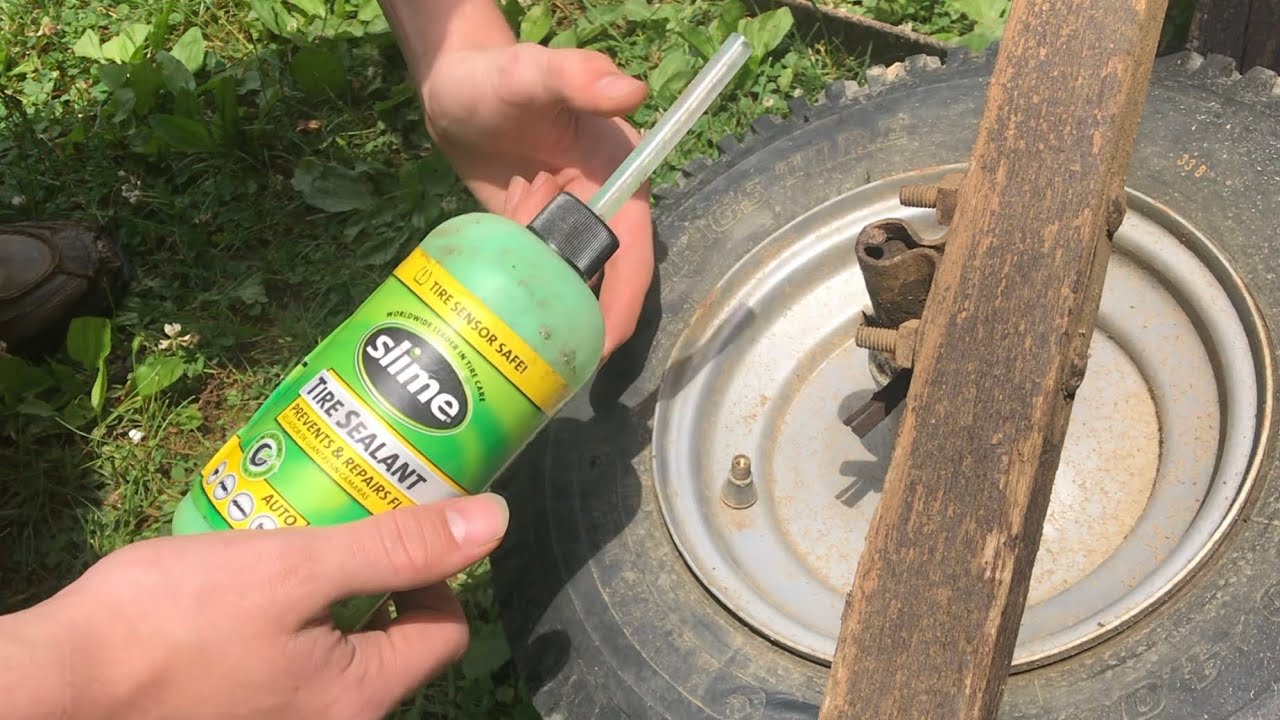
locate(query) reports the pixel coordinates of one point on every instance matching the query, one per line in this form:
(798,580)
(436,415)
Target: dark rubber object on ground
(604,618)
(51,272)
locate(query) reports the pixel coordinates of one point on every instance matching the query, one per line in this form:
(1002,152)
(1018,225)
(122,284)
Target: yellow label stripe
(483,330)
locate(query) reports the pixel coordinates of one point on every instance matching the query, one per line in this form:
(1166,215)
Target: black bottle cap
(575,232)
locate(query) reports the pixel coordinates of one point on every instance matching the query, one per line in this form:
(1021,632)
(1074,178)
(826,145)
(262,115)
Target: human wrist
(427,30)
(37,667)
(59,661)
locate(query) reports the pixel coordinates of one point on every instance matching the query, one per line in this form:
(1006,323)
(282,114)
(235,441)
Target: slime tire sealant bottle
(446,372)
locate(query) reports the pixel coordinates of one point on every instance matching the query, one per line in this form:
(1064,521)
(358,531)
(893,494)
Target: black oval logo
(408,375)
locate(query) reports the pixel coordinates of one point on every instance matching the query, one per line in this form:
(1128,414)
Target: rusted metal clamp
(898,266)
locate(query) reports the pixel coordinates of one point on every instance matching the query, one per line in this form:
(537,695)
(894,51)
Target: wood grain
(1262,36)
(1247,31)
(930,624)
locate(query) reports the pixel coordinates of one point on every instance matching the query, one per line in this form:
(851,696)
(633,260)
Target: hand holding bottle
(236,625)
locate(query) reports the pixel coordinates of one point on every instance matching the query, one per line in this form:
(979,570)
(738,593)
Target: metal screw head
(904,351)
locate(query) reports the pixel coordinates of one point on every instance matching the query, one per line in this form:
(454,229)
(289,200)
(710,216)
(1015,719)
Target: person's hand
(235,624)
(521,123)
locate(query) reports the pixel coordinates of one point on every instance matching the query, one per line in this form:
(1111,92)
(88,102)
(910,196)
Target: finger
(543,190)
(581,79)
(515,191)
(628,273)
(417,646)
(397,550)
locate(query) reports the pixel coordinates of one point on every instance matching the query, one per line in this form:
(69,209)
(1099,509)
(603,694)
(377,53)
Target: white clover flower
(174,339)
(131,188)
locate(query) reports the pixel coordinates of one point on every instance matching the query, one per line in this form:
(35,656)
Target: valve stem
(739,491)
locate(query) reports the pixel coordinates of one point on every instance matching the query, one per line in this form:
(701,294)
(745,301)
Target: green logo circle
(263,456)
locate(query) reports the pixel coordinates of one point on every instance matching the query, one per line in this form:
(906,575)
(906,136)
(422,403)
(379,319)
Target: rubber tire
(602,614)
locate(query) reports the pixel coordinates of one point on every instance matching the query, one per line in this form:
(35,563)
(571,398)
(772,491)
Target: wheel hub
(1159,455)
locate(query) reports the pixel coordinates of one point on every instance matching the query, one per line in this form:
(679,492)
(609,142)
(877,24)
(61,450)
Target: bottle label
(422,394)
(519,363)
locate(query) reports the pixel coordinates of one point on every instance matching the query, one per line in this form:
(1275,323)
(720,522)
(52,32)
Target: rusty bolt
(919,196)
(943,196)
(899,343)
(876,338)
(739,490)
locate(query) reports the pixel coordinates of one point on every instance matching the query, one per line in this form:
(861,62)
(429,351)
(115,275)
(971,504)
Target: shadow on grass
(44,495)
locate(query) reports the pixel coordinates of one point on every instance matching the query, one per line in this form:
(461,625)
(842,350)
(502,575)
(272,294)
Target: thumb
(583,80)
(402,549)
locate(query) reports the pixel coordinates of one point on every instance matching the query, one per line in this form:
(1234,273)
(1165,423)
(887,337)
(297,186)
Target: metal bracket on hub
(898,267)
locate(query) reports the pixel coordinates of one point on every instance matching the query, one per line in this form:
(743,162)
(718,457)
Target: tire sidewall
(616,626)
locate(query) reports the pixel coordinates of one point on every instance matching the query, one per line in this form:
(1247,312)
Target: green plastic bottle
(428,390)
(446,372)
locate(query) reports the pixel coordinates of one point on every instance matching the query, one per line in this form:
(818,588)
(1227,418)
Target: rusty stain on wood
(931,621)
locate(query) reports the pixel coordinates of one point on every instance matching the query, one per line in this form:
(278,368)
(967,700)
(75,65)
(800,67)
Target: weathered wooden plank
(1218,26)
(1247,31)
(1262,36)
(931,621)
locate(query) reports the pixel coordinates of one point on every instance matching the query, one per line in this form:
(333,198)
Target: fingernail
(515,192)
(541,180)
(617,85)
(478,520)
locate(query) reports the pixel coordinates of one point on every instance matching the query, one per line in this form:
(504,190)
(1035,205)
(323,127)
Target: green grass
(263,175)
(264,167)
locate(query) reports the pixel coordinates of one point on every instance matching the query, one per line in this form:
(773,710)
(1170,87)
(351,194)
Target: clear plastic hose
(671,129)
